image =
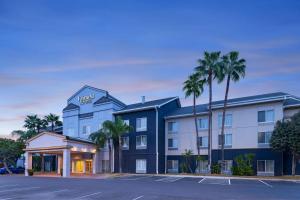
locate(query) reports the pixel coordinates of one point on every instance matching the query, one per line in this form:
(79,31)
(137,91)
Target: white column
(28,162)
(66,162)
(59,163)
(95,162)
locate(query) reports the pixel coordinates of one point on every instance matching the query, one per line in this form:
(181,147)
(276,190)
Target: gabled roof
(108,98)
(287,99)
(71,106)
(147,105)
(84,87)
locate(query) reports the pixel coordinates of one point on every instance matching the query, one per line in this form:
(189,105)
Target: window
(172,127)
(203,141)
(227,165)
(125,142)
(141,124)
(227,140)
(100,126)
(203,123)
(264,137)
(86,130)
(172,143)
(265,166)
(265,116)
(141,142)
(228,120)
(172,166)
(203,166)
(141,166)
(126,121)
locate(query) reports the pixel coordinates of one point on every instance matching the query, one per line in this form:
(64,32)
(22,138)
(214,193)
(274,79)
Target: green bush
(30,172)
(184,168)
(244,166)
(216,168)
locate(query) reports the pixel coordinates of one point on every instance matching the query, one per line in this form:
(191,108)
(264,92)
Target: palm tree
(194,86)
(33,122)
(234,69)
(113,131)
(209,67)
(23,136)
(53,120)
(101,137)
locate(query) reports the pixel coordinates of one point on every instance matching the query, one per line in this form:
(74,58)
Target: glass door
(88,167)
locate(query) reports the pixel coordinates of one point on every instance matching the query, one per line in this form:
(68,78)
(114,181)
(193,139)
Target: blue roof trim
(71,106)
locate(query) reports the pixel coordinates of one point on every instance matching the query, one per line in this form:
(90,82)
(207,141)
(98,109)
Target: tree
(33,122)
(101,137)
(115,130)
(53,120)
(194,86)
(233,69)
(286,138)
(23,136)
(186,165)
(10,151)
(209,69)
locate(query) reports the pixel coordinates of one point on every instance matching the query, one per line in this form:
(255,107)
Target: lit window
(141,124)
(228,120)
(141,142)
(265,116)
(172,127)
(203,123)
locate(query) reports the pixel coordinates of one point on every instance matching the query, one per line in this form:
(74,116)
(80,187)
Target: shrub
(30,172)
(216,168)
(243,165)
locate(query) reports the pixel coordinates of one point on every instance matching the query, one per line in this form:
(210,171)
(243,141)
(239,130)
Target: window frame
(173,169)
(199,123)
(265,172)
(173,147)
(141,146)
(225,145)
(122,144)
(265,118)
(200,142)
(265,137)
(220,117)
(172,131)
(140,129)
(87,129)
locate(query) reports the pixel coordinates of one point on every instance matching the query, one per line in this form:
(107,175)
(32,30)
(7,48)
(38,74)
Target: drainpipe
(156,143)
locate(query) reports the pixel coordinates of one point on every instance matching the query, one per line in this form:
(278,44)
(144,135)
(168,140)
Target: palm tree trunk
(196,125)
(223,121)
(209,119)
(6,167)
(120,156)
(293,164)
(109,156)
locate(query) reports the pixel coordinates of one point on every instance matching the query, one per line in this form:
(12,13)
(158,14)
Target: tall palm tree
(101,137)
(194,86)
(53,120)
(114,131)
(30,122)
(233,69)
(209,67)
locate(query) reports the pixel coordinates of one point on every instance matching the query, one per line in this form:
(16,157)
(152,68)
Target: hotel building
(162,131)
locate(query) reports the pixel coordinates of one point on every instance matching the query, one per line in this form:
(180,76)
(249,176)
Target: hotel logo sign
(86,99)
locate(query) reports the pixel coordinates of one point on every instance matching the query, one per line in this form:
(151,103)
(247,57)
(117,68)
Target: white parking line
(267,184)
(201,180)
(169,179)
(7,185)
(88,195)
(9,198)
(133,179)
(19,189)
(58,191)
(138,197)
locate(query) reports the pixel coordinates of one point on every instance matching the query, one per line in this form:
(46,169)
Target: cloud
(12,119)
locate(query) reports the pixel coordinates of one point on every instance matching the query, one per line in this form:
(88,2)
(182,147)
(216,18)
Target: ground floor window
(172,166)
(227,166)
(105,165)
(202,166)
(265,167)
(141,166)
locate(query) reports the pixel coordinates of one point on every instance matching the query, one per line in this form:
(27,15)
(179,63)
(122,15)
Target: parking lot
(134,187)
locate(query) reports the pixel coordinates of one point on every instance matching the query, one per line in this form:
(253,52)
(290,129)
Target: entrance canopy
(67,150)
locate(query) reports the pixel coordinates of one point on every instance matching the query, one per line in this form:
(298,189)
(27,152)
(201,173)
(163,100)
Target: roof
(288,100)
(147,105)
(71,106)
(79,140)
(108,98)
(86,86)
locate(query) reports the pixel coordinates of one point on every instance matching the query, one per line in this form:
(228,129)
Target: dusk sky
(50,49)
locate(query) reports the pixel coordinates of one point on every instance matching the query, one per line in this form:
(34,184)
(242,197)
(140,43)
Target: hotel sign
(86,99)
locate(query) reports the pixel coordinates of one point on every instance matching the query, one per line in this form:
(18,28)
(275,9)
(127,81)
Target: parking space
(145,187)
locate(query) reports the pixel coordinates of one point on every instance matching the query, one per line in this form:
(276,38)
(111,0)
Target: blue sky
(49,49)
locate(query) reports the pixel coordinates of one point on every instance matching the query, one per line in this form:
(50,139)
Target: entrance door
(141,166)
(88,166)
(78,166)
